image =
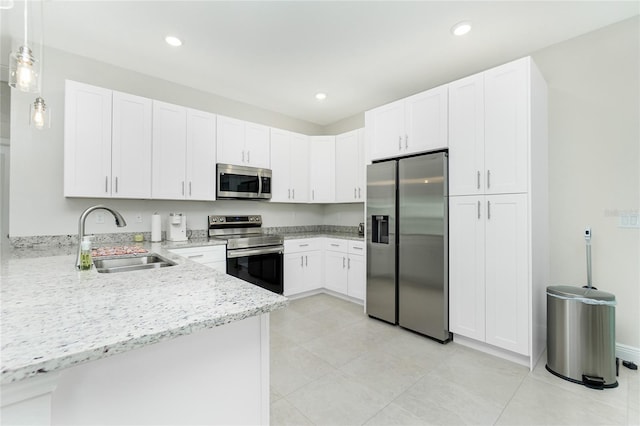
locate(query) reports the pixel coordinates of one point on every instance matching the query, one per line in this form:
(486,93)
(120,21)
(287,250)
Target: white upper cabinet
(169,151)
(489,131)
(506,128)
(350,167)
(466,136)
(201,156)
(408,126)
(242,143)
(290,167)
(87,141)
(131,146)
(322,159)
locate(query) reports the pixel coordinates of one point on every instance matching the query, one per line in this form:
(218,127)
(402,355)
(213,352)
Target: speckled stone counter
(341,235)
(55,317)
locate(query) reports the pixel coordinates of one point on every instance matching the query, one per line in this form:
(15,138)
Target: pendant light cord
(41,45)
(25,23)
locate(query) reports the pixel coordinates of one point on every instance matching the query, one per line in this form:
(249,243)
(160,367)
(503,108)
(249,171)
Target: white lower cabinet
(302,265)
(214,257)
(345,267)
(489,275)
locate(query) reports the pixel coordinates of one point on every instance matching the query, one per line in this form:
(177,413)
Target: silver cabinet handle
(182,187)
(488,179)
(293,193)
(478,179)
(358,248)
(189,188)
(193,256)
(343,262)
(243,155)
(289,193)
(349,263)
(406,141)
(248,156)
(399,142)
(335,245)
(303,245)
(116,184)
(359,193)
(313,194)
(301,261)
(306,261)
(106,184)
(354,194)
(478,209)
(488,210)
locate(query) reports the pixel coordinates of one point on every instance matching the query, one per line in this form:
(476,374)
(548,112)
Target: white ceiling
(277,55)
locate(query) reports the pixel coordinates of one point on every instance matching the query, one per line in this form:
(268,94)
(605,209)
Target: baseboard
(324,290)
(493,350)
(628,353)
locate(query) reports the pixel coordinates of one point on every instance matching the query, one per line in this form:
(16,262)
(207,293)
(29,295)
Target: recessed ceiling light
(173,41)
(321,96)
(461,28)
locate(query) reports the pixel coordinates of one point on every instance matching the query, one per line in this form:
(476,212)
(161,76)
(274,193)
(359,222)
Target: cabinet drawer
(335,244)
(356,247)
(303,244)
(203,254)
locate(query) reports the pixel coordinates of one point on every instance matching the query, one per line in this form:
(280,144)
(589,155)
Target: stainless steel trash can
(581,332)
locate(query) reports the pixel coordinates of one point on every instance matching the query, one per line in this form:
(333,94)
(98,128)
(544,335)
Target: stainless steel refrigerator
(407,244)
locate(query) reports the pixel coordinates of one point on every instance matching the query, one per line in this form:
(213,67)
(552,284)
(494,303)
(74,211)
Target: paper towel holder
(156,228)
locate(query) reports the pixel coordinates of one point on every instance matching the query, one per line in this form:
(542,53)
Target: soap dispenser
(86,262)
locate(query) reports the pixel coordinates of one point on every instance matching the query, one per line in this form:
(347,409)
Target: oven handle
(253,252)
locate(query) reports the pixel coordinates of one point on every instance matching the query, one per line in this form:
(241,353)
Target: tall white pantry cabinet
(498,211)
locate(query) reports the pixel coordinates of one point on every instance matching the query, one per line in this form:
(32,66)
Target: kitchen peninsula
(180,344)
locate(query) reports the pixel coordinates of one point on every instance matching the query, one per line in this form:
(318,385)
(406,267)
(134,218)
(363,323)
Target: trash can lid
(573,292)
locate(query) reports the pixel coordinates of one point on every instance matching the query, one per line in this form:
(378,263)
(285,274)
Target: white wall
(594,163)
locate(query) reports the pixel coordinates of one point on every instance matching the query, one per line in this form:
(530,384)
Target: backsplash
(119,237)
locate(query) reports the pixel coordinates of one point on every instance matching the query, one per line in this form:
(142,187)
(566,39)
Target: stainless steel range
(251,255)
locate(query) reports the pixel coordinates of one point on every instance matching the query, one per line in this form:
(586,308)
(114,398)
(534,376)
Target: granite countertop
(354,236)
(55,317)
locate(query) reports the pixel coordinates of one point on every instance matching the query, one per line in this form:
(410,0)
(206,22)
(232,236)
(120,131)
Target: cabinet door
(322,162)
(466,136)
(230,141)
(201,156)
(169,151)
(426,121)
(360,167)
(131,146)
(506,128)
(313,270)
(280,165)
(336,273)
(87,141)
(466,266)
(356,277)
(347,167)
(387,137)
(507,272)
(299,177)
(257,145)
(293,273)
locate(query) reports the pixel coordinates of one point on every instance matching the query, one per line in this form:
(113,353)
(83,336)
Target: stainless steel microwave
(241,182)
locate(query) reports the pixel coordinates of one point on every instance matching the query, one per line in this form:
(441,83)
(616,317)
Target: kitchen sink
(131,263)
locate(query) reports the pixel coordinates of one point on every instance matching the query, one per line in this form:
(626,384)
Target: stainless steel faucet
(120,222)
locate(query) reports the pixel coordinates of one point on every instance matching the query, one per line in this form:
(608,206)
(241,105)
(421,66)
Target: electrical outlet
(99,217)
(139,218)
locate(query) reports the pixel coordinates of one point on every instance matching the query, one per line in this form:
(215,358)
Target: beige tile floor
(332,365)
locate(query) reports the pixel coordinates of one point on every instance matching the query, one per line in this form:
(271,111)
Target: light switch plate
(629,220)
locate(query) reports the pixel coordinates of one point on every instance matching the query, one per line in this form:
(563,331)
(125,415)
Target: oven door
(260,266)
(243,182)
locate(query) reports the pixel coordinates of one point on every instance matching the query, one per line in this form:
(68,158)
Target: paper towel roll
(156,228)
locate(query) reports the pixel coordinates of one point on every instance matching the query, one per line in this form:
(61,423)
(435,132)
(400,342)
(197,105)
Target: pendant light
(24,72)
(40,116)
